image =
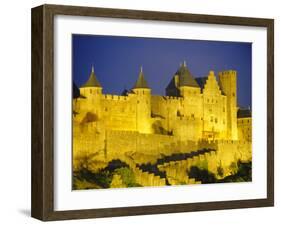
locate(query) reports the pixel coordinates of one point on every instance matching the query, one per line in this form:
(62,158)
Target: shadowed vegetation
(85,179)
(243,174)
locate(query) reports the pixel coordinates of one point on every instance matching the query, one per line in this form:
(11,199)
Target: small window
(90,91)
(212,119)
(216,120)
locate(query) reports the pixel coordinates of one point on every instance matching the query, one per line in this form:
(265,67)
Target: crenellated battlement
(207,142)
(121,132)
(173,98)
(227,73)
(194,125)
(189,119)
(115,97)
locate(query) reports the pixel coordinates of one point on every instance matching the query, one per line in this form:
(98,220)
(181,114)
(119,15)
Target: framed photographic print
(141,112)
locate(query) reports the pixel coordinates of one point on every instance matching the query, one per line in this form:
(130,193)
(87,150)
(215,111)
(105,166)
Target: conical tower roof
(92,81)
(141,82)
(185,77)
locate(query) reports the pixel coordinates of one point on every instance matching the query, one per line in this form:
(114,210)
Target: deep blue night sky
(117,61)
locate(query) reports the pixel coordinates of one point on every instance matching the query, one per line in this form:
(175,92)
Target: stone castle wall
(210,112)
(143,148)
(244,126)
(147,127)
(119,112)
(120,142)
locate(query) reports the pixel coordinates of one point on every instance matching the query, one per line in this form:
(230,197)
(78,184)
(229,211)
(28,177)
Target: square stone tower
(227,80)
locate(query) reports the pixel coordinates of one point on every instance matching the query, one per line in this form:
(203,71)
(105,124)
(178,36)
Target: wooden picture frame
(43,109)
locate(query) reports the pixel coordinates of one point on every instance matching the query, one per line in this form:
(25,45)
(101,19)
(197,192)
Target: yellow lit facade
(139,128)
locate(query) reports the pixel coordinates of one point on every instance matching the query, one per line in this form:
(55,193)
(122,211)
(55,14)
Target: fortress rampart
(139,128)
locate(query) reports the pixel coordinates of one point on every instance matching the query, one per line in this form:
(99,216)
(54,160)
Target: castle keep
(139,128)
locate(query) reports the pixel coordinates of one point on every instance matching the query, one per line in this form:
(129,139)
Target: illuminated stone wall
(228,82)
(146,127)
(214,110)
(244,129)
(119,112)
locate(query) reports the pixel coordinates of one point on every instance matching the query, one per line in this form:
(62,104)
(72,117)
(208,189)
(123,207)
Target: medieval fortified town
(194,134)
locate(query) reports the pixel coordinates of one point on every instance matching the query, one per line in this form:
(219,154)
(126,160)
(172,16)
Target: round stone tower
(92,92)
(143,104)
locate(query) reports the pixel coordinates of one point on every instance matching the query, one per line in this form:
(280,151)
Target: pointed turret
(92,81)
(92,94)
(181,81)
(143,104)
(185,77)
(141,82)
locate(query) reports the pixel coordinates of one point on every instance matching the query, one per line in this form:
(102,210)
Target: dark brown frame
(42,203)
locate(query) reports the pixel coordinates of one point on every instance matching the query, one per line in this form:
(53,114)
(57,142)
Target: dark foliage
(115,164)
(244,174)
(201,174)
(102,178)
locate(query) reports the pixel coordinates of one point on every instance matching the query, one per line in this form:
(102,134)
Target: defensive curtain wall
(136,149)
(161,137)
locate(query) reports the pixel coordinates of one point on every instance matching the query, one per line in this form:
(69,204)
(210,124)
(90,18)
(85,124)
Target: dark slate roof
(244,113)
(201,81)
(172,84)
(92,81)
(125,92)
(141,82)
(185,77)
(75,91)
